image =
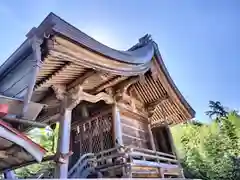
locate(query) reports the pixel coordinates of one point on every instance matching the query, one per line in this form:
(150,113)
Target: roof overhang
(70,54)
(16,148)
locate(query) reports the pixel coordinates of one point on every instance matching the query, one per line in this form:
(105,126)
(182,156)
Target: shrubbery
(211,151)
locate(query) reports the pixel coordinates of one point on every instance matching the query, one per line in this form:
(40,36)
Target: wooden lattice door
(95,134)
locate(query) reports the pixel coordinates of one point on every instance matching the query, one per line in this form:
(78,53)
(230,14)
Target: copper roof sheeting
(69,54)
(16,148)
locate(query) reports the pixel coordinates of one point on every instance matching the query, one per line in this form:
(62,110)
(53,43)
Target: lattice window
(96,134)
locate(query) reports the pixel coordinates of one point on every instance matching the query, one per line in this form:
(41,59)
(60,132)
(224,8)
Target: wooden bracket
(76,95)
(62,158)
(123,93)
(60,91)
(151,107)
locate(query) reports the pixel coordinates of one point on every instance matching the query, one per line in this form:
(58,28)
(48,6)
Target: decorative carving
(98,97)
(130,83)
(75,92)
(109,91)
(60,91)
(145,39)
(123,91)
(76,95)
(151,110)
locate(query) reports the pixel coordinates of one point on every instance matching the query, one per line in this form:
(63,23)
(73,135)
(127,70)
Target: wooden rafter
(49,77)
(81,79)
(110,83)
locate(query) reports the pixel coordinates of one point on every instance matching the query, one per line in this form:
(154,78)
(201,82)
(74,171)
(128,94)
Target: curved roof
(16,148)
(70,50)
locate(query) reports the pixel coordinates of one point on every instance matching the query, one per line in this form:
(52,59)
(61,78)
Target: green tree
(210,151)
(47,138)
(216,110)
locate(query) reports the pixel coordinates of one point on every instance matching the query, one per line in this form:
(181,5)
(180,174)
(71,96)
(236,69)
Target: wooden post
(151,138)
(117,128)
(69,100)
(64,140)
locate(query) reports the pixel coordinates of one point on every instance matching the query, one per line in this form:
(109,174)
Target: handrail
(109,150)
(79,169)
(82,166)
(111,156)
(152,156)
(79,161)
(153,152)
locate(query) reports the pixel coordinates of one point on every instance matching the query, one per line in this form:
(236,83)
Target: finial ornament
(145,39)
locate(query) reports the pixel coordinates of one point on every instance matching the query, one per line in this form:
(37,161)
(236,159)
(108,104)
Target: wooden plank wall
(135,132)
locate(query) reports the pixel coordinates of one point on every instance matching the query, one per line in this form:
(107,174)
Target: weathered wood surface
(134,132)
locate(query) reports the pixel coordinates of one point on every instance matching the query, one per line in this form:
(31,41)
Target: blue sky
(198,39)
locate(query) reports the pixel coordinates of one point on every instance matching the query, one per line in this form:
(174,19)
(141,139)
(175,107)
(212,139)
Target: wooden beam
(158,101)
(151,107)
(81,79)
(133,137)
(48,78)
(24,121)
(123,86)
(111,83)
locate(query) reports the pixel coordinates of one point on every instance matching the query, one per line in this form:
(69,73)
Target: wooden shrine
(114,107)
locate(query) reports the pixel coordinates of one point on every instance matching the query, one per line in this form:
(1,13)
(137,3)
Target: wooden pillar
(64,141)
(69,100)
(174,148)
(151,138)
(117,128)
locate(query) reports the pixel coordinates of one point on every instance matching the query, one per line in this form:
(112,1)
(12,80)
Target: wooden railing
(84,162)
(128,162)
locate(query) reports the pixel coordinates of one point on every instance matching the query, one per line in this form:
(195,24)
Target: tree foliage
(210,151)
(47,138)
(216,110)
